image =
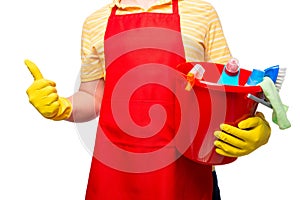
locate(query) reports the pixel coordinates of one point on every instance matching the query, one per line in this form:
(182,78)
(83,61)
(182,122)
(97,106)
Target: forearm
(87,101)
(83,107)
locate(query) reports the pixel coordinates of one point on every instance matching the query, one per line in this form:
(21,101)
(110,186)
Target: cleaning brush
(277,75)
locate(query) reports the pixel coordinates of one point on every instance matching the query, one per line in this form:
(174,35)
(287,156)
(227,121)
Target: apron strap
(113,10)
(174,8)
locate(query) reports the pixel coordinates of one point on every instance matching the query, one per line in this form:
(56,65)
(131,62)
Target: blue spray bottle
(230,73)
(255,77)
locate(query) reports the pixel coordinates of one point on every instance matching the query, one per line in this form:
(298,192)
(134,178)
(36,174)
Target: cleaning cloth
(279,115)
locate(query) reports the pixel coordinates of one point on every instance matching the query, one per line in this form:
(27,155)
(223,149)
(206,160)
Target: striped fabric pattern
(201,30)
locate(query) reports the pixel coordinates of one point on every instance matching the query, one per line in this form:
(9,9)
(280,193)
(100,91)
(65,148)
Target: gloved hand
(238,141)
(43,96)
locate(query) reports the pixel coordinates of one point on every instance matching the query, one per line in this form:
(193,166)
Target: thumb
(249,123)
(34,70)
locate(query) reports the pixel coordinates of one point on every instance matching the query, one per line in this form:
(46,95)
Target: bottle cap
(232,67)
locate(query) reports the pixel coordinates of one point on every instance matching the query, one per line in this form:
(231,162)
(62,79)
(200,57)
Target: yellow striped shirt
(202,34)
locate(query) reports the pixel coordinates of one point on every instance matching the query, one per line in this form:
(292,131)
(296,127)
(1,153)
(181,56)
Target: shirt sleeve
(92,67)
(216,48)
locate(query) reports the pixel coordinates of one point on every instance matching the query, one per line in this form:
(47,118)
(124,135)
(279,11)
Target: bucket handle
(259,100)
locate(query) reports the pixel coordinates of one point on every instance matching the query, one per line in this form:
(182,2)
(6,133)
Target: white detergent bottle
(230,73)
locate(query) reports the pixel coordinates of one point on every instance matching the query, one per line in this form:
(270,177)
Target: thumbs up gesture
(43,96)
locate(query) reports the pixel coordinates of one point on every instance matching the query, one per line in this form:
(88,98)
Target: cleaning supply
(230,73)
(238,141)
(195,73)
(279,116)
(276,74)
(255,77)
(43,96)
(217,104)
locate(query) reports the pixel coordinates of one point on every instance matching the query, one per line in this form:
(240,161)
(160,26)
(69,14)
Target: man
(137,39)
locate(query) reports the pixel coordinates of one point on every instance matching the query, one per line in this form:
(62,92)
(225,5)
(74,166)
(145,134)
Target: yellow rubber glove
(43,96)
(238,141)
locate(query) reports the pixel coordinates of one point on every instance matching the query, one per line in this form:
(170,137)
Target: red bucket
(216,104)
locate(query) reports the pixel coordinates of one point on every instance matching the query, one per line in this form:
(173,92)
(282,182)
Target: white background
(41,159)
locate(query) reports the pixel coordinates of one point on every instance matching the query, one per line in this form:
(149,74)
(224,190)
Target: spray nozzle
(195,73)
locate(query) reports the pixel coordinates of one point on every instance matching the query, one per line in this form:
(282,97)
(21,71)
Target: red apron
(133,158)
